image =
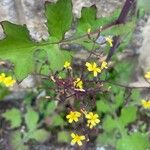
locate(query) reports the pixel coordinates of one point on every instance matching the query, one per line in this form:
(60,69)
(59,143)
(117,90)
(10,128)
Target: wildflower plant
(87,102)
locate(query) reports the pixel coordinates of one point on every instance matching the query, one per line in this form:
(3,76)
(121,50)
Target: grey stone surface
(31,13)
(142,47)
(144,58)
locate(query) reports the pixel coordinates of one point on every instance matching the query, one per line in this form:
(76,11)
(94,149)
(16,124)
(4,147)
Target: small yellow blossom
(147,75)
(109,40)
(7,81)
(93,119)
(77,139)
(104,65)
(145,104)
(67,65)
(2,77)
(89,30)
(73,116)
(93,67)
(78,83)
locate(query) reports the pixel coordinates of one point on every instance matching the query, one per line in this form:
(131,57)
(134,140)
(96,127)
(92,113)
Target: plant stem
(121,20)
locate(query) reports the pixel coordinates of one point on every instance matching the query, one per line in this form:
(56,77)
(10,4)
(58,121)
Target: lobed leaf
(128,115)
(135,141)
(14,116)
(31,119)
(63,137)
(16,142)
(59,18)
(39,135)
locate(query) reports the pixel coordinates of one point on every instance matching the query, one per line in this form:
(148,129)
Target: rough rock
(141,47)
(31,13)
(144,58)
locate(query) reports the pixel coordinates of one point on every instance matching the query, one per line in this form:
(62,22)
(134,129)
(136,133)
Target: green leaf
(3,92)
(63,137)
(109,124)
(135,95)
(120,74)
(103,106)
(14,116)
(31,119)
(18,48)
(51,106)
(57,120)
(128,115)
(39,135)
(59,17)
(16,141)
(136,141)
(122,29)
(89,20)
(106,139)
(119,99)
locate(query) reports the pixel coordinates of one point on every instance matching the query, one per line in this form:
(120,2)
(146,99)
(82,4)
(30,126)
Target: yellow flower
(78,83)
(104,65)
(2,77)
(8,81)
(145,104)
(93,119)
(73,116)
(147,75)
(77,139)
(109,40)
(67,65)
(93,67)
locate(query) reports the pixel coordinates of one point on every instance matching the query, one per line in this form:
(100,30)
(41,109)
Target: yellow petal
(73,135)
(79,143)
(78,114)
(68,116)
(94,65)
(73,142)
(76,119)
(97,120)
(98,70)
(70,120)
(96,116)
(82,137)
(95,73)
(88,64)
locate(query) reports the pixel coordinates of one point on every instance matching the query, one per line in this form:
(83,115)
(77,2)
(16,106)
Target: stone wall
(31,13)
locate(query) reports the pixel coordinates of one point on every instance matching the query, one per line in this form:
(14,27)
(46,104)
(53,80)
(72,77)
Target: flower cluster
(8,81)
(78,83)
(78,88)
(92,67)
(92,121)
